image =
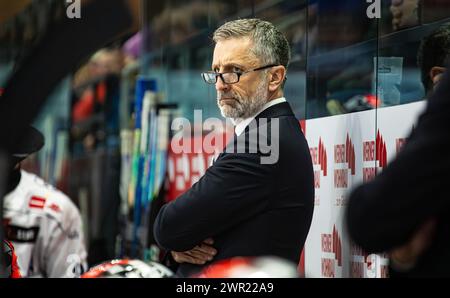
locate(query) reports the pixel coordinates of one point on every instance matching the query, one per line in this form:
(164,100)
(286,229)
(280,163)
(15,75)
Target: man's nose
(221,85)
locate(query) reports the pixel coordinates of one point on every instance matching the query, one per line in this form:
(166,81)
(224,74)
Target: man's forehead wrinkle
(233,51)
(239,59)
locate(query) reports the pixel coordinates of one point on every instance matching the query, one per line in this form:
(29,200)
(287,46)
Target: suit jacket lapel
(276,111)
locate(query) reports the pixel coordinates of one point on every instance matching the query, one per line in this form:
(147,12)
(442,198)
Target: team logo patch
(21,234)
(36,202)
(55,208)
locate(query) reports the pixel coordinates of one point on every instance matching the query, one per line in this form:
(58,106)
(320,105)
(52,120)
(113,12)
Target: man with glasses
(244,206)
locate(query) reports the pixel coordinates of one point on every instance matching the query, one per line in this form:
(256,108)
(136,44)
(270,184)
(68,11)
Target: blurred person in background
(104,62)
(433,56)
(90,94)
(405,13)
(41,222)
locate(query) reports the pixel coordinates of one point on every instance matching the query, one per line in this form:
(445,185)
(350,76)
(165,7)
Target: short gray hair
(271,46)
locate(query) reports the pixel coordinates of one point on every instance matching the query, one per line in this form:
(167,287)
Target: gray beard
(244,107)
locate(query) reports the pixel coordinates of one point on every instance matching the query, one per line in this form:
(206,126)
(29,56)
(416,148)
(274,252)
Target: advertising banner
(347,150)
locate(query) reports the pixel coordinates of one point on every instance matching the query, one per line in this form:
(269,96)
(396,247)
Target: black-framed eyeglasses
(233,77)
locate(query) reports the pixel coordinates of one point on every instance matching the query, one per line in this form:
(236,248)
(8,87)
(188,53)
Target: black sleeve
(386,212)
(235,188)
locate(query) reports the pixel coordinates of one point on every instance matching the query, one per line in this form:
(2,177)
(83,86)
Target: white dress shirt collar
(241,124)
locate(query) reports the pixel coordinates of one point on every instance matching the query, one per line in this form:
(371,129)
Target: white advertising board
(347,150)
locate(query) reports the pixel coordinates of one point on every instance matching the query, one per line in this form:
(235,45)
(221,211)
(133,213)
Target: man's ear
(277,75)
(435,73)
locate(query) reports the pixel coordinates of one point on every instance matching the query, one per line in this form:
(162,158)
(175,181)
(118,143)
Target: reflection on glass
(340,82)
(181,47)
(180,22)
(341,51)
(340,24)
(405,13)
(333,46)
(23,25)
(398,15)
(434,10)
(389,78)
(417,61)
(289,17)
(295,88)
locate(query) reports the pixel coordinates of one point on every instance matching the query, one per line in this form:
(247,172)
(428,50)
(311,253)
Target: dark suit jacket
(248,208)
(386,212)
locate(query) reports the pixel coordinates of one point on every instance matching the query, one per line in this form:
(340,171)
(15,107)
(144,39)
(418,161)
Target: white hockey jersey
(45,228)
